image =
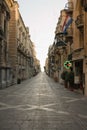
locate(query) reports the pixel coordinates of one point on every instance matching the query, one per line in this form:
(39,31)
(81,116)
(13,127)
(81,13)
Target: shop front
(78,60)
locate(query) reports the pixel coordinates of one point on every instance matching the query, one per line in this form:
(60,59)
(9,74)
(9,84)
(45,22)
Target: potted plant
(71,79)
(64,76)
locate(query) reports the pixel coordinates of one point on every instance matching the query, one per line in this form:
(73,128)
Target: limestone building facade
(17,51)
(75,39)
(4,44)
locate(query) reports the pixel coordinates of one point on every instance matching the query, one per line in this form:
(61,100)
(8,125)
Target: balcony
(52,54)
(26,51)
(70,57)
(84,5)
(52,60)
(69,32)
(69,7)
(58,29)
(69,35)
(1,33)
(59,40)
(20,47)
(60,43)
(59,36)
(56,51)
(80,22)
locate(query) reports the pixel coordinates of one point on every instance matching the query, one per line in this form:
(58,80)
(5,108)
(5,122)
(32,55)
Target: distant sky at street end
(41,16)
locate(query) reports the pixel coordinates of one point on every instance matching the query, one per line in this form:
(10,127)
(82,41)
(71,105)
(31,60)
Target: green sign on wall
(67,64)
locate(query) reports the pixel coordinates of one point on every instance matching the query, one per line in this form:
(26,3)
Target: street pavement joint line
(4,104)
(42,107)
(35,107)
(58,112)
(72,100)
(43,95)
(67,98)
(52,104)
(26,109)
(10,107)
(82,116)
(46,109)
(20,107)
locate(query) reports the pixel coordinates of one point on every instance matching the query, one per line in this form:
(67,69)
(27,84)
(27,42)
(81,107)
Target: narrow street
(41,104)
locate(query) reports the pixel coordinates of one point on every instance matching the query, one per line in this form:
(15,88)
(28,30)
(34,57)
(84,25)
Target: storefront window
(8,74)
(3,75)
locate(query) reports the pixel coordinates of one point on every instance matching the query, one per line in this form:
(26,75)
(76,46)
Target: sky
(41,16)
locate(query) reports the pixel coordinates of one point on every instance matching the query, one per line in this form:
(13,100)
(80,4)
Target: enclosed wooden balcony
(69,35)
(1,33)
(70,57)
(69,7)
(84,5)
(69,32)
(80,22)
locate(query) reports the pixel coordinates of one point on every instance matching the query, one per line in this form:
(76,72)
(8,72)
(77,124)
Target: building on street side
(4,44)
(70,43)
(17,51)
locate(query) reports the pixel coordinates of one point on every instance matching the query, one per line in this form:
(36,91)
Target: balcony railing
(79,21)
(69,6)
(21,48)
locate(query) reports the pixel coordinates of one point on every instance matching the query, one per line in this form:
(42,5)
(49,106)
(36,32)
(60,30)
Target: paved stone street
(41,104)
